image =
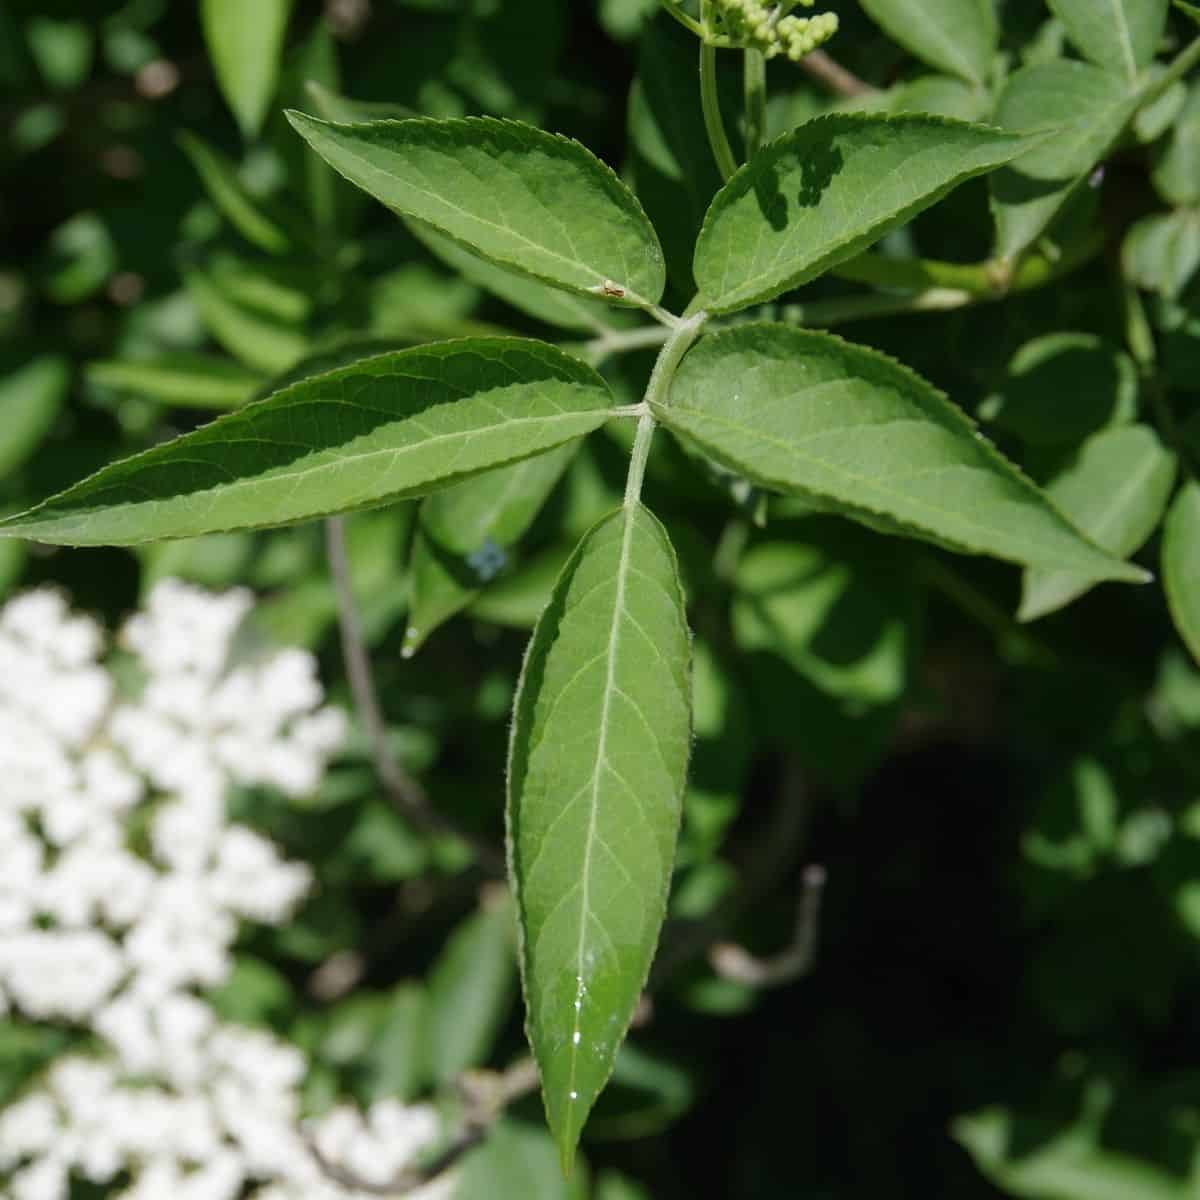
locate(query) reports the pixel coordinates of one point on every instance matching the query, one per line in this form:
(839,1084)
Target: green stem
(754,71)
(1035,272)
(1185,60)
(682,17)
(621,341)
(657,391)
(710,102)
(864,308)
(984,280)
(1139,336)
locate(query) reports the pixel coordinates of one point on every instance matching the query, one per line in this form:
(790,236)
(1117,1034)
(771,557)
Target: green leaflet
(1073,1160)
(1062,387)
(1181,564)
(471,991)
(796,410)
(1116,492)
(30,400)
(396,425)
(597,765)
(958,36)
(1177,172)
(1086,108)
(529,200)
(517,1162)
(826,191)
(245,43)
(181,379)
(261,341)
(1161,252)
(246,214)
(518,600)
(839,614)
(1119,35)
(344,110)
(465,535)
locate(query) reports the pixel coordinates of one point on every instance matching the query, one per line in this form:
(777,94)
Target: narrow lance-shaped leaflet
(539,204)
(392,426)
(829,189)
(597,765)
(800,411)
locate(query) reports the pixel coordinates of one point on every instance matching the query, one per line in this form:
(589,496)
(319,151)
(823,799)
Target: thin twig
(402,789)
(760,868)
(485,1095)
(833,75)
(734,962)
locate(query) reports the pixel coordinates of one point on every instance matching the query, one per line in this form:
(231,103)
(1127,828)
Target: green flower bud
(754,25)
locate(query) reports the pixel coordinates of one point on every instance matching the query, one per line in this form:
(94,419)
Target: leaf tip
(302,122)
(414,639)
(568,1143)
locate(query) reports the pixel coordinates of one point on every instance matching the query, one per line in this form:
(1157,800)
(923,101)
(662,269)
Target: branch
(733,962)
(833,75)
(402,789)
(760,868)
(485,1095)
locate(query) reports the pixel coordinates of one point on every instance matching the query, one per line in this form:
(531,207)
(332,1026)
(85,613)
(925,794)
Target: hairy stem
(657,390)
(754,72)
(710,102)
(403,790)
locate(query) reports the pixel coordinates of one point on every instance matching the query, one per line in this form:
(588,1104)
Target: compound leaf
(805,412)
(826,191)
(597,765)
(396,425)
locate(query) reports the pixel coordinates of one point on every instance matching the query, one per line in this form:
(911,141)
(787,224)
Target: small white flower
(98,933)
(29,1127)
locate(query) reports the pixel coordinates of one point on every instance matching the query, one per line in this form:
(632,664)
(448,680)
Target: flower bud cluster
(766,27)
(115,934)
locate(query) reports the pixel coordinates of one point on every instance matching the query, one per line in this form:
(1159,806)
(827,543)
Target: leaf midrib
(628,515)
(1124,38)
(343,460)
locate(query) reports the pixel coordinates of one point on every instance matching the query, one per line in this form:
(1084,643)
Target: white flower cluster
(758,26)
(115,943)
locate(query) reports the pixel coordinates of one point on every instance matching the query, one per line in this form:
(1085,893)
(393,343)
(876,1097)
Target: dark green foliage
(997,765)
